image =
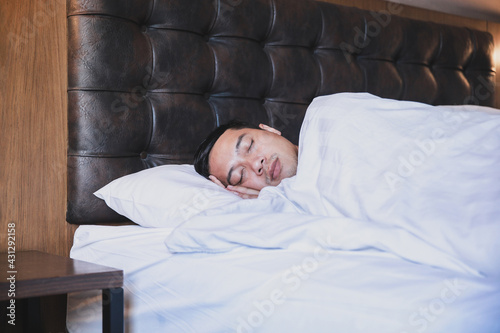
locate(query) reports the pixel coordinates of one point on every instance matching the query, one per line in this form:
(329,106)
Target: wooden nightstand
(36,274)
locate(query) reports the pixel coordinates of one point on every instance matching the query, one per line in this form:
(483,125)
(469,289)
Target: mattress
(276,290)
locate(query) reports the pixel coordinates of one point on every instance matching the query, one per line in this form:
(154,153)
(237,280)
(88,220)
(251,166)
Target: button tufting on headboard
(148,80)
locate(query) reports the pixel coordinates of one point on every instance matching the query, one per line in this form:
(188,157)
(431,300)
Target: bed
(399,232)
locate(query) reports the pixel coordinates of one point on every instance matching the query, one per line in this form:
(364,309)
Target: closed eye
(242,174)
(250,146)
(241,177)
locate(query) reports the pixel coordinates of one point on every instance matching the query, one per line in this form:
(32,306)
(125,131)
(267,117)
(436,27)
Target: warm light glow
(496,57)
(496,64)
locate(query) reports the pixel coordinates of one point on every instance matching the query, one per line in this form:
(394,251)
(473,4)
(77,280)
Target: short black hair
(202,154)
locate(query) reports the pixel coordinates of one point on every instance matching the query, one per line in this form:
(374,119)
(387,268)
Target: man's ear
(269,129)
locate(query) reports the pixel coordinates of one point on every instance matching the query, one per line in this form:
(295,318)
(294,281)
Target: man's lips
(275,169)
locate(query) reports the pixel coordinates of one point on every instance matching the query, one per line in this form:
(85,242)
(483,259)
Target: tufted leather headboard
(149,79)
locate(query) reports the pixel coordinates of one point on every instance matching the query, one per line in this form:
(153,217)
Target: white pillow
(164,196)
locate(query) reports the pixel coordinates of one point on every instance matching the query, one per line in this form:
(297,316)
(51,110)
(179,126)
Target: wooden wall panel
(33,124)
(33,116)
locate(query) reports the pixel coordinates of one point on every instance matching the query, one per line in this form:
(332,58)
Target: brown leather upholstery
(148,80)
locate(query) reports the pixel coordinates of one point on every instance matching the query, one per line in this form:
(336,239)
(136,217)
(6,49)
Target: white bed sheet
(276,290)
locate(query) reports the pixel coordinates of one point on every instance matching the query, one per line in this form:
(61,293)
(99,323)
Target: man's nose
(258,165)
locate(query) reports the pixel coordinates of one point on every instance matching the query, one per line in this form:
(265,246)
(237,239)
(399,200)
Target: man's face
(252,158)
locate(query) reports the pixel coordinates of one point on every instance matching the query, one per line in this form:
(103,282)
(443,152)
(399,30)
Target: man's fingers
(244,192)
(241,191)
(216,181)
(245,196)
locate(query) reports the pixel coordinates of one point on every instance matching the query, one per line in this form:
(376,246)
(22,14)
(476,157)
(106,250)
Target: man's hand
(241,191)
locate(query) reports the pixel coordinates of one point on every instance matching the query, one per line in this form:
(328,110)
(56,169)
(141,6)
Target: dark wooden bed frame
(148,80)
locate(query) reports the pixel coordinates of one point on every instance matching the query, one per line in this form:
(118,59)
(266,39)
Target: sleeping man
(390,182)
(418,181)
(244,159)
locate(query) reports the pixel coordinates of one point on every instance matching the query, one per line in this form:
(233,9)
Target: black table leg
(112,310)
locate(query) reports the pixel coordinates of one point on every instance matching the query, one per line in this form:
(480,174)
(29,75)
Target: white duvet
(390,225)
(419,182)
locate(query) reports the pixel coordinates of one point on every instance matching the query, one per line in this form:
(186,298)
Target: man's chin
(275,182)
